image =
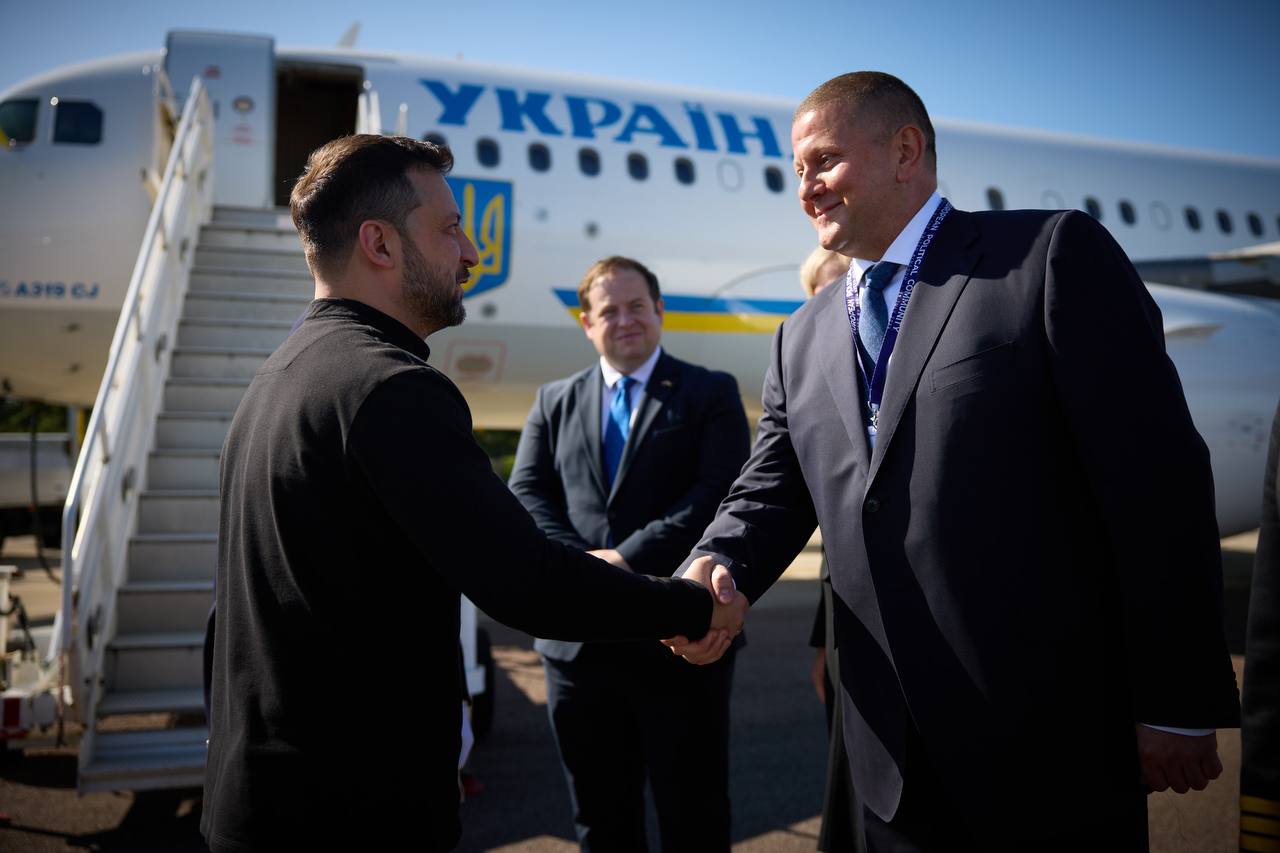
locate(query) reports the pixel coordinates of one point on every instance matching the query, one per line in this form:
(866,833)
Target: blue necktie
(873,313)
(617,427)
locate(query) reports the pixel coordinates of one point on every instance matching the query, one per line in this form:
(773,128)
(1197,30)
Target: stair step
(234,334)
(192,429)
(185,700)
(163,607)
(178,511)
(158,641)
(246,305)
(173,556)
(183,468)
(146,760)
(211,279)
(257,217)
(226,235)
(259,259)
(204,395)
(218,362)
(170,660)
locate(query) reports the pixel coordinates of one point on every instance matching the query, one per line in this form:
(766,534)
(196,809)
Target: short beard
(433,296)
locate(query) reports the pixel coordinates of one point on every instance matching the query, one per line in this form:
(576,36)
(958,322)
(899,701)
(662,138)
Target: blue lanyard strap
(875,388)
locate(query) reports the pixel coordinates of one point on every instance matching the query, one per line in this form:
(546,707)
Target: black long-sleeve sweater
(355,507)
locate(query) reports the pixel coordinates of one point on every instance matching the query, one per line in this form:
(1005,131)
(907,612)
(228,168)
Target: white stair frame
(101,508)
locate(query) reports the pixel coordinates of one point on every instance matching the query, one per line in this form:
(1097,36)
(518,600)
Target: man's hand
(726,619)
(611,556)
(1180,762)
(818,674)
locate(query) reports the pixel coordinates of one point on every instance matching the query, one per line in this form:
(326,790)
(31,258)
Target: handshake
(726,619)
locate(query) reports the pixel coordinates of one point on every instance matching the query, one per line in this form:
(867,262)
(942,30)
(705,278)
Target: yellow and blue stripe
(710,314)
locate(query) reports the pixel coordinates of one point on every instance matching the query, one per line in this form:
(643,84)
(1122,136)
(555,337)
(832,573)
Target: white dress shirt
(611,376)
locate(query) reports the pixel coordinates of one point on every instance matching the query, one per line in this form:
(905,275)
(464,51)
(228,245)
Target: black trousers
(929,820)
(627,711)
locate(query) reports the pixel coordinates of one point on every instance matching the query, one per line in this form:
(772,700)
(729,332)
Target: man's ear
(379,244)
(910,147)
(584,319)
(658,307)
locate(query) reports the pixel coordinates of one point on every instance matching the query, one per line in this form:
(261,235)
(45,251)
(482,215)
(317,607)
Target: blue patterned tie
(618,426)
(873,313)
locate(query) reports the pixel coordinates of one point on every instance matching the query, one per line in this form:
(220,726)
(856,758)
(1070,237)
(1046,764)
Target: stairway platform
(146,760)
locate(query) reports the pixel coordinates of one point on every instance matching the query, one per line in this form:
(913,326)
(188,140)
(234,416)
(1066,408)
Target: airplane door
(315,103)
(239,71)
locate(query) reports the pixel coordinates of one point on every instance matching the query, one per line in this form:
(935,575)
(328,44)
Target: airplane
(554,171)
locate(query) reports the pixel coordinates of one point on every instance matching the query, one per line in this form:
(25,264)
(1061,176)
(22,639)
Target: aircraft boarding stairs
(248,285)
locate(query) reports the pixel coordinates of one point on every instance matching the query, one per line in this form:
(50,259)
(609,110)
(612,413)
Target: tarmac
(778,748)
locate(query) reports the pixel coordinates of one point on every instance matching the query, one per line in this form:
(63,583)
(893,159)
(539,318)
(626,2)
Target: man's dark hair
(871,95)
(609,266)
(353,179)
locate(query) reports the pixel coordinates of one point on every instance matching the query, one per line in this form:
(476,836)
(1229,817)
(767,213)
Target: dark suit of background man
(633,474)
(1260,731)
(354,503)
(1024,556)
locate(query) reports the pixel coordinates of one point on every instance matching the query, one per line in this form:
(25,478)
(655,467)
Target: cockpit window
(76,123)
(17,122)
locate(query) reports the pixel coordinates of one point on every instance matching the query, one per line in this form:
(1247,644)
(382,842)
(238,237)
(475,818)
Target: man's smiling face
(848,180)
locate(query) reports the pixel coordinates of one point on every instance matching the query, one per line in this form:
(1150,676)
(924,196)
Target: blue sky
(1196,75)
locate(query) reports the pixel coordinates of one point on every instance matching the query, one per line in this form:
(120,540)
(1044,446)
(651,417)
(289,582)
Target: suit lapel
(662,384)
(591,393)
(835,352)
(943,278)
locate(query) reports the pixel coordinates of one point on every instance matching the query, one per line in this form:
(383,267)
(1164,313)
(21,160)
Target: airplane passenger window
(77,123)
(1092,207)
(539,157)
(1127,213)
(1193,218)
(1255,224)
(589,162)
(773,179)
(487,152)
(684,170)
(1161,216)
(434,138)
(1224,221)
(995,199)
(17,122)
(637,166)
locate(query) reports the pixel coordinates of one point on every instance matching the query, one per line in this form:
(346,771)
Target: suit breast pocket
(989,363)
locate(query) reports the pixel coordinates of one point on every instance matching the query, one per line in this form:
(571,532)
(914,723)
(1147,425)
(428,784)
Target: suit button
(872,505)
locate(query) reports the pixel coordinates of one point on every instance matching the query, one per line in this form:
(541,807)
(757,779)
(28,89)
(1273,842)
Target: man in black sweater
(351,456)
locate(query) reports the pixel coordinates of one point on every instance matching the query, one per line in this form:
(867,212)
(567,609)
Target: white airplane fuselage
(698,185)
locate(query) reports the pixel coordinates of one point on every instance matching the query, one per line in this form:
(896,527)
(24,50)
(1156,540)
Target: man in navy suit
(1016,508)
(628,460)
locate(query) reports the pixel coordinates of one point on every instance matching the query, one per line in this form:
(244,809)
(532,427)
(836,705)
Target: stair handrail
(97,518)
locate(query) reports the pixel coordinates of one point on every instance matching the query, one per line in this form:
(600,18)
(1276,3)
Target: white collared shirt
(611,375)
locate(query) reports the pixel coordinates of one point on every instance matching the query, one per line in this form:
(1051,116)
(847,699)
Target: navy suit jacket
(689,440)
(1027,564)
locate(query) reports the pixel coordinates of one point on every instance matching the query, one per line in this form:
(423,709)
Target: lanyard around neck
(911,273)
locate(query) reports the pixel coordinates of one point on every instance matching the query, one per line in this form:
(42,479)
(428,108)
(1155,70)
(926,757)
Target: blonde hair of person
(822,267)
